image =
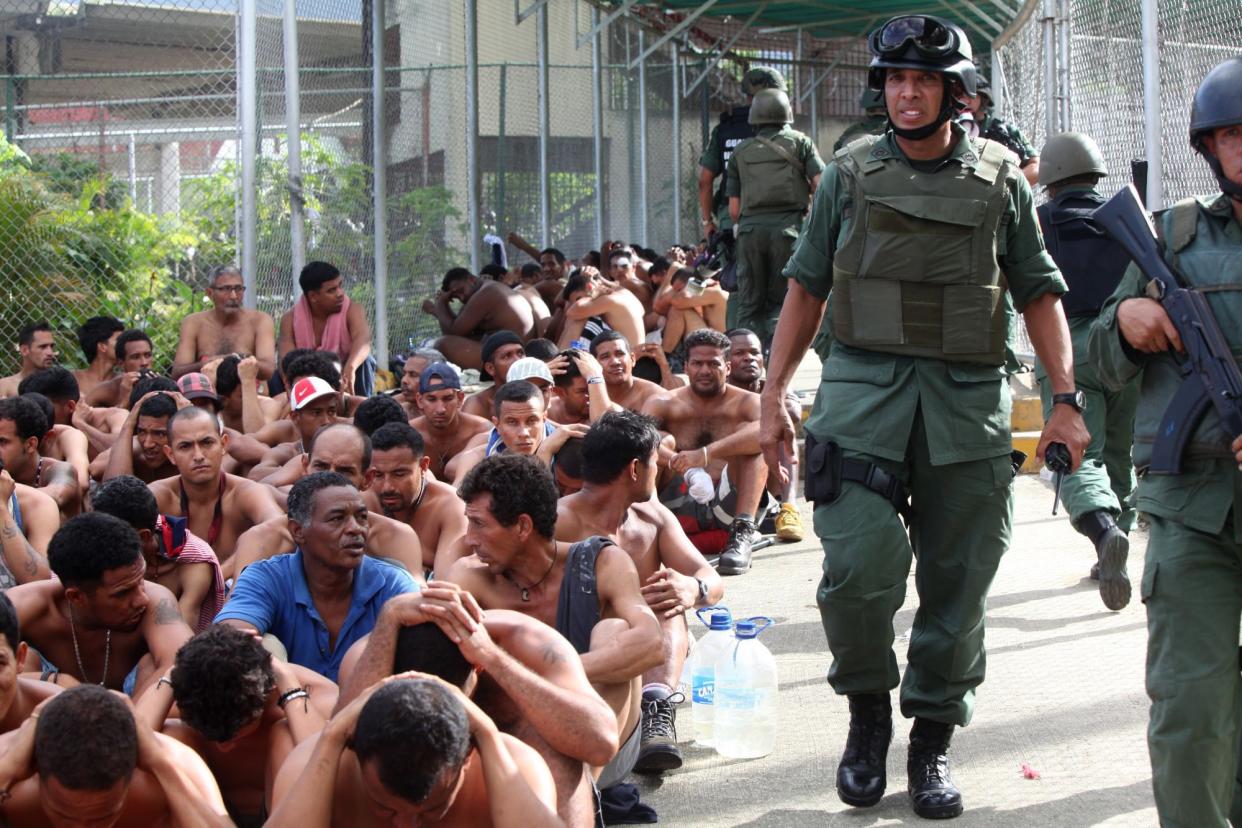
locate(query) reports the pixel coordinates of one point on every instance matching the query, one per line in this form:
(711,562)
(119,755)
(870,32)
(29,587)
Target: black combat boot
(861,775)
(1112,547)
(932,791)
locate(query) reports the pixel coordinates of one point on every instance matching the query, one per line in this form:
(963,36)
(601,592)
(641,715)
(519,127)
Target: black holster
(827,469)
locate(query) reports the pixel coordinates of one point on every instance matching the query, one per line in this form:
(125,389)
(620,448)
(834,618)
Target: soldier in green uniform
(876,121)
(770,180)
(1000,130)
(911,232)
(1192,578)
(1098,496)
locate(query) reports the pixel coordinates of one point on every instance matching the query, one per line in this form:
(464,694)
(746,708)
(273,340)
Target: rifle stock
(1211,376)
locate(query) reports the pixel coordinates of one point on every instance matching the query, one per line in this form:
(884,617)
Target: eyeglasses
(229,289)
(929,36)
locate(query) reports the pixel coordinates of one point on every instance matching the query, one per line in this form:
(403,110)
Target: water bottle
(745,699)
(699,485)
(703,669)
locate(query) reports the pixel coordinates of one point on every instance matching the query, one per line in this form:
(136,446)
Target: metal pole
(1151,103)
(1063,23)
(642,140)
(1050,68)
(597,125)
(379,183)
(814,110)
(293,136)
(796,79)
(248,113)
(676,190)
(500,150)
(545,193)
(133,170)
(472,132)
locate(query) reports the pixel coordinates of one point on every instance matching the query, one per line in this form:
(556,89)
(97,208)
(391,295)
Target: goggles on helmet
(930,37)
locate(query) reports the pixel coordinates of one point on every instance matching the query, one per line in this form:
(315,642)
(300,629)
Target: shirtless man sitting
(578,393)
(411,373)
(414,750)
(36,347)
(403,489)
(18,696)
(63,441)
(312,405)
(689,301)
(521,673)
(520,426)
(236,382)
(498,352)
(22,426)
(100,619)
(716,427)
(28,520)
(134,354)
(445,427)
(218,506)
(587,294)
(228,328)
(343,449)
(86,759)
(97,338)
(620,462)
(516,564)
(242,711)
(140,441)
(617,361)
(486,306)
(175,558)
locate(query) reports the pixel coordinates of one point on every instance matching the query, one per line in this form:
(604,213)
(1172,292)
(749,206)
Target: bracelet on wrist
(595,381)
(290,695)
(162,681)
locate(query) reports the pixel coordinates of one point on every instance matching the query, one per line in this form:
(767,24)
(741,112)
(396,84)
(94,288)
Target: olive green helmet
(770,106)
(762,77)
(871,99)
(1067,155)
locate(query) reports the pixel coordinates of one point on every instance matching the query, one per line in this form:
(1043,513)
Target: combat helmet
(770,106)
(762,77)
(923,41)
(1067,155)
(871,99)
(1217,103)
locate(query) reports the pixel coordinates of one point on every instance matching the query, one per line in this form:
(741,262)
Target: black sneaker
(658,750)
(735,557)
(932,792)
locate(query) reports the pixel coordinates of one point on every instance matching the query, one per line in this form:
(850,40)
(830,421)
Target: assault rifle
(1209,374)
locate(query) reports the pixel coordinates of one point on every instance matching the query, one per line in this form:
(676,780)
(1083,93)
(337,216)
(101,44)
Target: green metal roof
(983,19)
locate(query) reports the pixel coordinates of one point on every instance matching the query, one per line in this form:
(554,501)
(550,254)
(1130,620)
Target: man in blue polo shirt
(325,595)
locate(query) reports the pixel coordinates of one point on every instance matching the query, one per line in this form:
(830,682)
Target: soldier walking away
(1192,585)
(1099,495)
(871,101)
(770,180)
(912,416)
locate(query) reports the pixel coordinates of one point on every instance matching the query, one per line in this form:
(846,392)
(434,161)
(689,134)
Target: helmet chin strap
(949,109)
(1227,187)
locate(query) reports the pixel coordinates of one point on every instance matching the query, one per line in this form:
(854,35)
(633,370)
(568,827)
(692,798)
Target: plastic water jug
(703,669)
(745,698)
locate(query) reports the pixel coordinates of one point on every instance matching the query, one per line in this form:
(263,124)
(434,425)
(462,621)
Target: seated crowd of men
(316,605)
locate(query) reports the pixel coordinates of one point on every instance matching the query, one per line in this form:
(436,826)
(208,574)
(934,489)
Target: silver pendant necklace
(78,654)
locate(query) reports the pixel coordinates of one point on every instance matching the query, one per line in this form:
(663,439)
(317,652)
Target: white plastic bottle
(745,698)
(703,670)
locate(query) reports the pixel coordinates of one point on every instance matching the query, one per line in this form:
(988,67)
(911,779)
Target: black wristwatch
(703,591)
(1075,399)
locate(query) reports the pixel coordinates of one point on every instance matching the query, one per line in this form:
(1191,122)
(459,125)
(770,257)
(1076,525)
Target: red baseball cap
(308,389)
(196,386)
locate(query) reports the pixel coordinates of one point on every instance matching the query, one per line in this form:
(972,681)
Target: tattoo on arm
(552,655)
(166,612)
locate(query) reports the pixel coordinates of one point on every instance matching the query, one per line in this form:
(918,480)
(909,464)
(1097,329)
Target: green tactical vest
(917,273)
(1207,260)
(769,182)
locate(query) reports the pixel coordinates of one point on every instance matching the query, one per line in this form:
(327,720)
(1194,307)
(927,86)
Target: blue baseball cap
(437,376)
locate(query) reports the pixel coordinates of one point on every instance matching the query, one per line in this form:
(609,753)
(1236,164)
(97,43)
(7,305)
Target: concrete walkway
(1064,694)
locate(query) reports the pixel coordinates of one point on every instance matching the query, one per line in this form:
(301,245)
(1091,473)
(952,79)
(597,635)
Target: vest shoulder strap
(783,153)
(1183,224)
(858,153)
(992,159)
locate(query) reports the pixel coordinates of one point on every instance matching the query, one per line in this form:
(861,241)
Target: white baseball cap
(530,368)
(306,390)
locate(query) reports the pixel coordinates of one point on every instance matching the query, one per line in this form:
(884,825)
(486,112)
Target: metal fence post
(597,126)
(642,139)
(500,149)
(678,184)
(132,169)
(293,137)
(545,193)
(379,183)
(1063,22)
(472,132)
(1151,103)
(248,114)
